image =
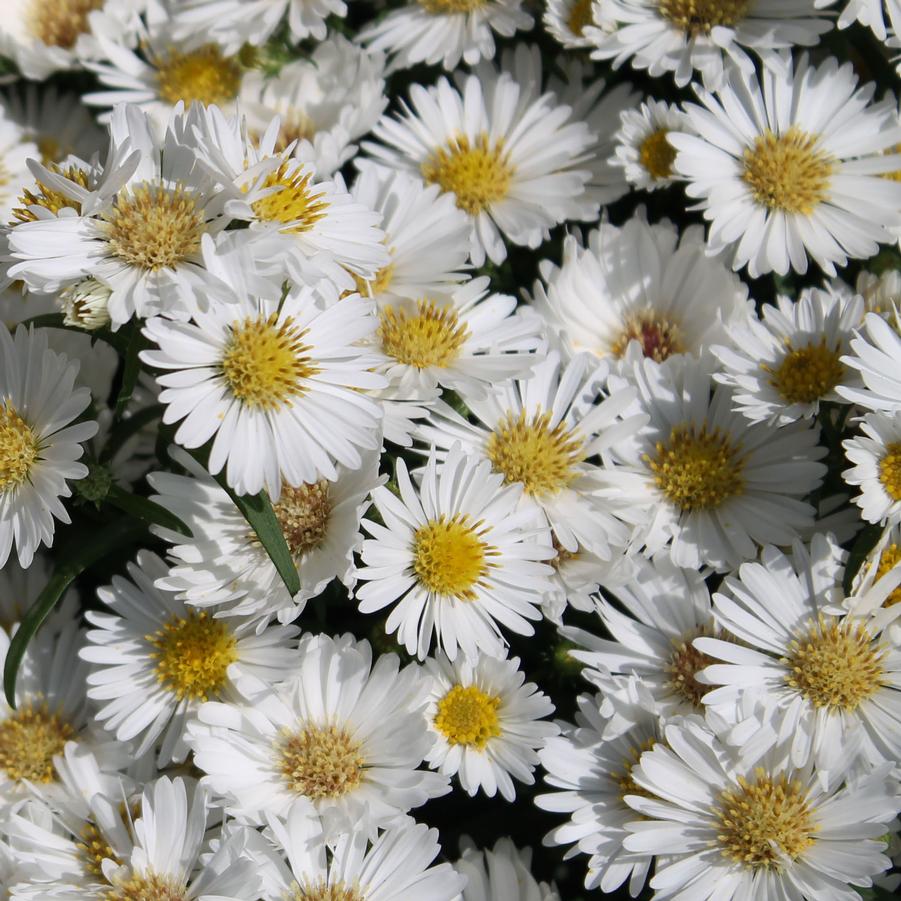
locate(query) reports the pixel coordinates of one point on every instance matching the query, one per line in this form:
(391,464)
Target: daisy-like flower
(639,289)
(324,102)
(589,772)
(488,723)
(540,433)
(730,829)
(682,36)
(875,353)
(15,151)
(510,164)
(877,470)
(782,366)
(135,226)
(39,443)
(232,23)
(226,570)
(831,684)
(445,31)
(712,487)
(789,168)
(567,20)
(273,383)
(501,874)
(876,588)
(456,558)
(343,733)
(881,16)
(643,149)
(666,609)
(155,660)
(394,866)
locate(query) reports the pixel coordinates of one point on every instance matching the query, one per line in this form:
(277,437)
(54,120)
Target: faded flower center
(527,449)
(467,716)
(433,336)
(657,155)
(295,203)
(154,227)
(147,886)
(304,513)
(788,173)
(683,666)
(890,470)
(19,447)
(30,737)
(320,891)
(659,337)
(697,469)
(834,664)
(321,762)
(265,362)
(58,23)
(700,16)
(624,778)
(477,173)
(192,655)
(450,556)
(449,7)
(764,820)
(806,374)
(203,75)
(579,17)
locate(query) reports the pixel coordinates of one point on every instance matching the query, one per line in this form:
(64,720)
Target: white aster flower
(343,733)
(444,31)
(683,36)
(882,16)
(15,150)
(567,20)
(394,866)
(154,660)
(510,163)
(783,366)
(225,569)
(639,289)
(875,353)
(488,724)
(788,167)
(710,486)
(324,102)
(39,445)
(830,684)
(876,588)
(731,830)
(456,558)
(541,433)
(643,149)
(273,383)
(877,470)
(501,874)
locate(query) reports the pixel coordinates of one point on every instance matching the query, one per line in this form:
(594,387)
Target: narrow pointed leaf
(131,370)
(146,510)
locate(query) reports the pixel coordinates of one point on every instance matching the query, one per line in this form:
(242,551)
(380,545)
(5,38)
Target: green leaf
(863,544)
(132,369)
(95,547)
(146,510)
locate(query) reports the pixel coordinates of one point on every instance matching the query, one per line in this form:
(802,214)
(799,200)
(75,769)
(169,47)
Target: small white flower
(567,20)
(877,472)
(643,149)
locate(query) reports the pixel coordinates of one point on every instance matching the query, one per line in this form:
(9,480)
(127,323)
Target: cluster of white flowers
(377,376)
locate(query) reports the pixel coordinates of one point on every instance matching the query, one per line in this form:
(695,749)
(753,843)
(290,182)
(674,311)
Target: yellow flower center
(788,172)
(466,715)
(154,227)
(764,820)
(377,285)
(203,75)
(888,560)
(890,470)
(147,886)
(320,891)
(526,449)
(806,374)
(579,17)
(304,513)
(321,762)
(433,337)
(193,653)
(834,664)
(450,556)
(58,23)
(30,737)
(265,362)
(683,666)
(659,337)
(46,197)
(477,174)
(625,780)
(296,203)
(450,7)
(700,16)
(657,155)
(697,469)
(93,849)
(19,447)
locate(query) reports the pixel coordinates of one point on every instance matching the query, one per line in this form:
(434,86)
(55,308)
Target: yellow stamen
(296,202)
(19,447)
(433,336)
(59,23)
(701,16)
(890,470)
(466,715)
(477,174)
(321,762)
(657,155)
(203,75)
(806,374)
(658,336)
(30,738)
(450,556)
